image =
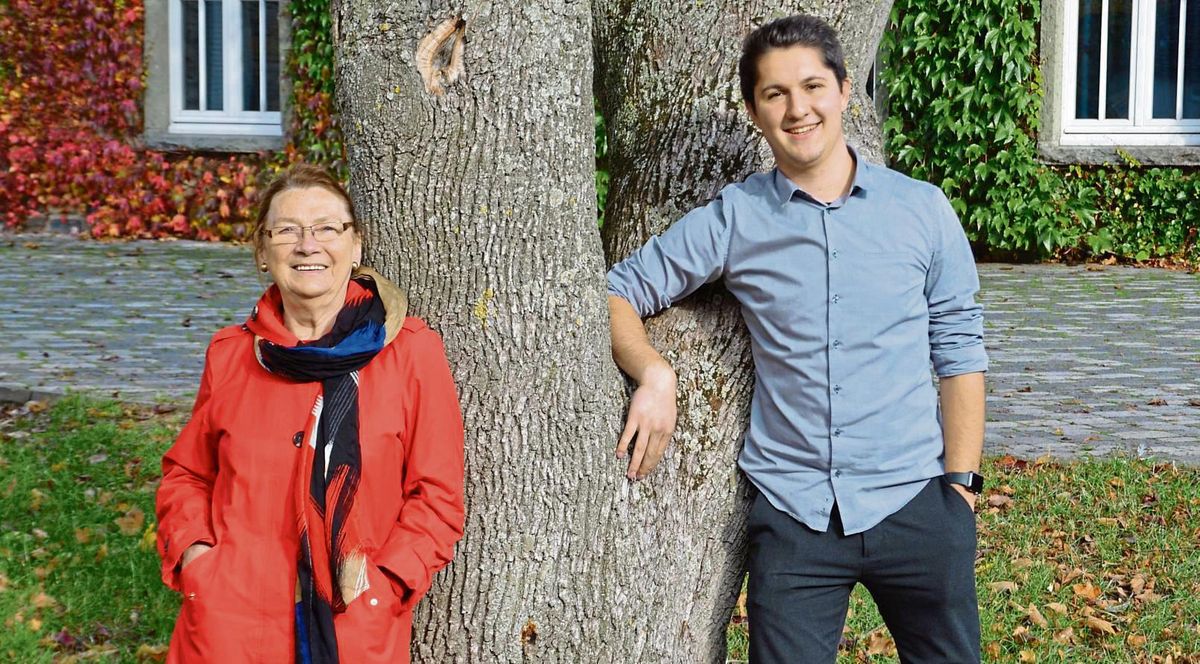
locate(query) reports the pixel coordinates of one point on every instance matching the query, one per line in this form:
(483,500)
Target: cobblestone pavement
(1093,359)
(1083,359)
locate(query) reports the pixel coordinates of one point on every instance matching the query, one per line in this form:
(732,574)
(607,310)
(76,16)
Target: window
(224,67)
(1131,73)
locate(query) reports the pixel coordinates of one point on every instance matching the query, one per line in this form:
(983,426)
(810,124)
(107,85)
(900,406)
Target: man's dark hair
(798,30)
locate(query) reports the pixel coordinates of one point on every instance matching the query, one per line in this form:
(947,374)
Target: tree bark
(479,201)
(666,80)
(469,134)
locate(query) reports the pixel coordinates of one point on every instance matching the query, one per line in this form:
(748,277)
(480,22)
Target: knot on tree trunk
(440,55)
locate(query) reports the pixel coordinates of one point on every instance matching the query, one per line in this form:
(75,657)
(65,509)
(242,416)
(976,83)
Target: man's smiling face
(798,105)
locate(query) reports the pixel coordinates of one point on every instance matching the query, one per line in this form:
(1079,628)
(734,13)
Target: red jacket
(227,481)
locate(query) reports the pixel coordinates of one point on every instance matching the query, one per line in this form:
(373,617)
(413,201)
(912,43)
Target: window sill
(212,142)
(1054,152)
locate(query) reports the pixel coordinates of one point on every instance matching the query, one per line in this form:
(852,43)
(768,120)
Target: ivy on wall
(314,135)
(71,125)
(964,93)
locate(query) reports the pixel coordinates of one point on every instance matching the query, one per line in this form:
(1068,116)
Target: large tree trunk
(480,202)
(668,88)
(476,191)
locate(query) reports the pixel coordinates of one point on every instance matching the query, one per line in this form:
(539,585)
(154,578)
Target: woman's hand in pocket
(193,552)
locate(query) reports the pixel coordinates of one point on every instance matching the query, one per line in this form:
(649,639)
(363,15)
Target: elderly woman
(318,485)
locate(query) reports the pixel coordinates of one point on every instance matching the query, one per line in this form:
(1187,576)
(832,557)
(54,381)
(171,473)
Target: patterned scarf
(331,546)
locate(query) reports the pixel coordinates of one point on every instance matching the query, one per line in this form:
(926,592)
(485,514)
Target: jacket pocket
(194,575)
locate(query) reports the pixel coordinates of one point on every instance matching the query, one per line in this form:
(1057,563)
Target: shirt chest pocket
(888,285)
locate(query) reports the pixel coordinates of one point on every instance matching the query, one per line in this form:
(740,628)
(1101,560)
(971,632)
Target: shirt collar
(863,179)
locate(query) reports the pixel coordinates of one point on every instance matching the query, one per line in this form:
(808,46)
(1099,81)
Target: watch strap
(971,480)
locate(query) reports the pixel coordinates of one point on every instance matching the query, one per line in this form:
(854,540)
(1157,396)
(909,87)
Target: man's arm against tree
(651,419)
(963,399)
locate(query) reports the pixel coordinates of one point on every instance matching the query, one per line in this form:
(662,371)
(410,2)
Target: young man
(852,278)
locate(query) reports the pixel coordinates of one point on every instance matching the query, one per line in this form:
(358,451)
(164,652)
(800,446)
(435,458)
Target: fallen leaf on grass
(1057,607)
(1021,635)
(1065,637)
(1036,616)
(1137,584)
(1027,657)
(1086,591)
(1136,640)
(999,501)
(150,541)
(66,640)
(131,523)
(41,600)
(36,406)
(148,653)
(1157,402)
(1010,462)
(1003,587)
(1100,626)
(879,642)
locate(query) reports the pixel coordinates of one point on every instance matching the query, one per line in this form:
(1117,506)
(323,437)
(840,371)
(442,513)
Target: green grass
(77,558)
(1107,552)
(1094,546)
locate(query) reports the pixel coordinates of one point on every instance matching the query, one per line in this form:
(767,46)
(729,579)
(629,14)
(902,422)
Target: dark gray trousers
(918,564)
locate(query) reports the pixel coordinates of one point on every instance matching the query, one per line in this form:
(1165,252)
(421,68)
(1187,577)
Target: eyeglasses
(292,233)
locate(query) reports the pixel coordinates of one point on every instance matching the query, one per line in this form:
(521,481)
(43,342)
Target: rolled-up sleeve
(955,318)
(669,267)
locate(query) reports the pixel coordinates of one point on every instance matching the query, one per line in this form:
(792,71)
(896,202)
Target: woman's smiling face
(308,269)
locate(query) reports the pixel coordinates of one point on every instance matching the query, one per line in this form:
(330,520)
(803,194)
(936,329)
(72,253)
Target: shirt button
(837,343)
(191,595)
(834,253)
(836,298)
(298,439)
(837,473)
(837,389)
(374,601)
(837,432)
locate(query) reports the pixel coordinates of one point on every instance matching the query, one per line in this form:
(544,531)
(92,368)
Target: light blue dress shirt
(847,304)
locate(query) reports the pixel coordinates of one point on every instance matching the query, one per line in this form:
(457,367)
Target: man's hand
(651,421)
(967,495)
(191,553)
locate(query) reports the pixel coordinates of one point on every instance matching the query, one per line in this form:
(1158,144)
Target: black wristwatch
(973,481)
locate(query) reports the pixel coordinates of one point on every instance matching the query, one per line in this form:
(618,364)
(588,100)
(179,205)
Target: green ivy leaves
(964,93)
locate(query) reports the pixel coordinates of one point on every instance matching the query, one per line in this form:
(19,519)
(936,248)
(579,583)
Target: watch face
(976,485)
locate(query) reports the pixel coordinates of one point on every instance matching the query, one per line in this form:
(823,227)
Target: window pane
(273,56)
(214,86)
(250,55)
(191,55)
(1120,25)
(1191,63)
(1087,74)
(1166,57)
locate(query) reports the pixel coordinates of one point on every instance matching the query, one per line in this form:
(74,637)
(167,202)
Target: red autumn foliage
(71,124)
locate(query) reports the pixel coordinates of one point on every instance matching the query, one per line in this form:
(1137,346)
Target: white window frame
(1141,129)
(225,122)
